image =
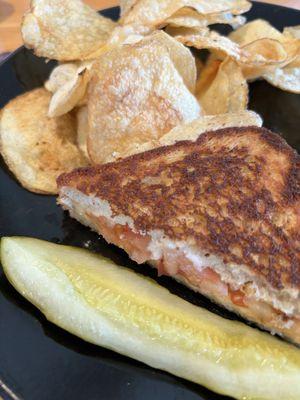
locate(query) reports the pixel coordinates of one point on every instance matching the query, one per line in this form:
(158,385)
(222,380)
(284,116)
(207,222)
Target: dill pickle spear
(114,307)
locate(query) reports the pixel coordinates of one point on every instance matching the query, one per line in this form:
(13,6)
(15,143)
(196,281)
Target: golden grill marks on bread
(220,214)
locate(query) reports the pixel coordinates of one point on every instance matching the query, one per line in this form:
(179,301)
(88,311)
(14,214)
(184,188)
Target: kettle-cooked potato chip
(181,57)
(126,5)
(154,13)
(292,32)
(36,148)
(260,50)
(288,77)
(125,34)
(276,49)
(257,46)
(204,38)
(189,18)
(136,94)
(192,130)
(61,75)
(260,29)
(206,76)
(72,91)
(227,92)
(69,95)
(262,55)
(64,30)
(254,30)
(258,54)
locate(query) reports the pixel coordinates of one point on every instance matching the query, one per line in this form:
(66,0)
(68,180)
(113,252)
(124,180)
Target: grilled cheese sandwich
(220,215)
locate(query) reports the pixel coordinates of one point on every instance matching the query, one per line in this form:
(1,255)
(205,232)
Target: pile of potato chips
(126,87)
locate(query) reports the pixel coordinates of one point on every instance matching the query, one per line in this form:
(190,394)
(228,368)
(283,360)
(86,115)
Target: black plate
(39,361)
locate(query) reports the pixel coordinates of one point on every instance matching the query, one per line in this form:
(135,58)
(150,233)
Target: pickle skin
(116,308)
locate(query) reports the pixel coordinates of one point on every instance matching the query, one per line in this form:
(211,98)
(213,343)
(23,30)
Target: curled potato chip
(227,91)
(72,91)
(273,49)
(254,30)
(82,129)
(257,46)
(258,54)
(207,76)
(192,130)
(287,78)
(181,57)
(126,5)
(64,30)
(264,51)
(37,149)
(60,75)
(292,32)
(136,94)
(199,66)
(189,18)
(155,12)
(263,55)
(204,38)
(125,34)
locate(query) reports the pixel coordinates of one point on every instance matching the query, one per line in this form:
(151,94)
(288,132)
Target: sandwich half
(220,214)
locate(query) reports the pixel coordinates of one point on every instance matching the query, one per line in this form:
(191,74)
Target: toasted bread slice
(220,214)
(36,148)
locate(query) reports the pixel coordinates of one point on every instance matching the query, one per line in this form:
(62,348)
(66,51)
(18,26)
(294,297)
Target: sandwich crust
(234,193)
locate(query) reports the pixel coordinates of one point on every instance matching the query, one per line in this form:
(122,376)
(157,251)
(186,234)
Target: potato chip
(263,55)
(181,57)
(259,48)
(82,130)
(207,76)
(122,34)
(125,34)
(260,53)
(136,94)
(64,30)
(228,91)
(204,38)
(292,32)
(273,47)
(192,130)
(126,5)
(61,75)
(254,30)
(199,66)
(287,78)
(189,18)
(260,29)
(37,149)
(154,13)
(72,92)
